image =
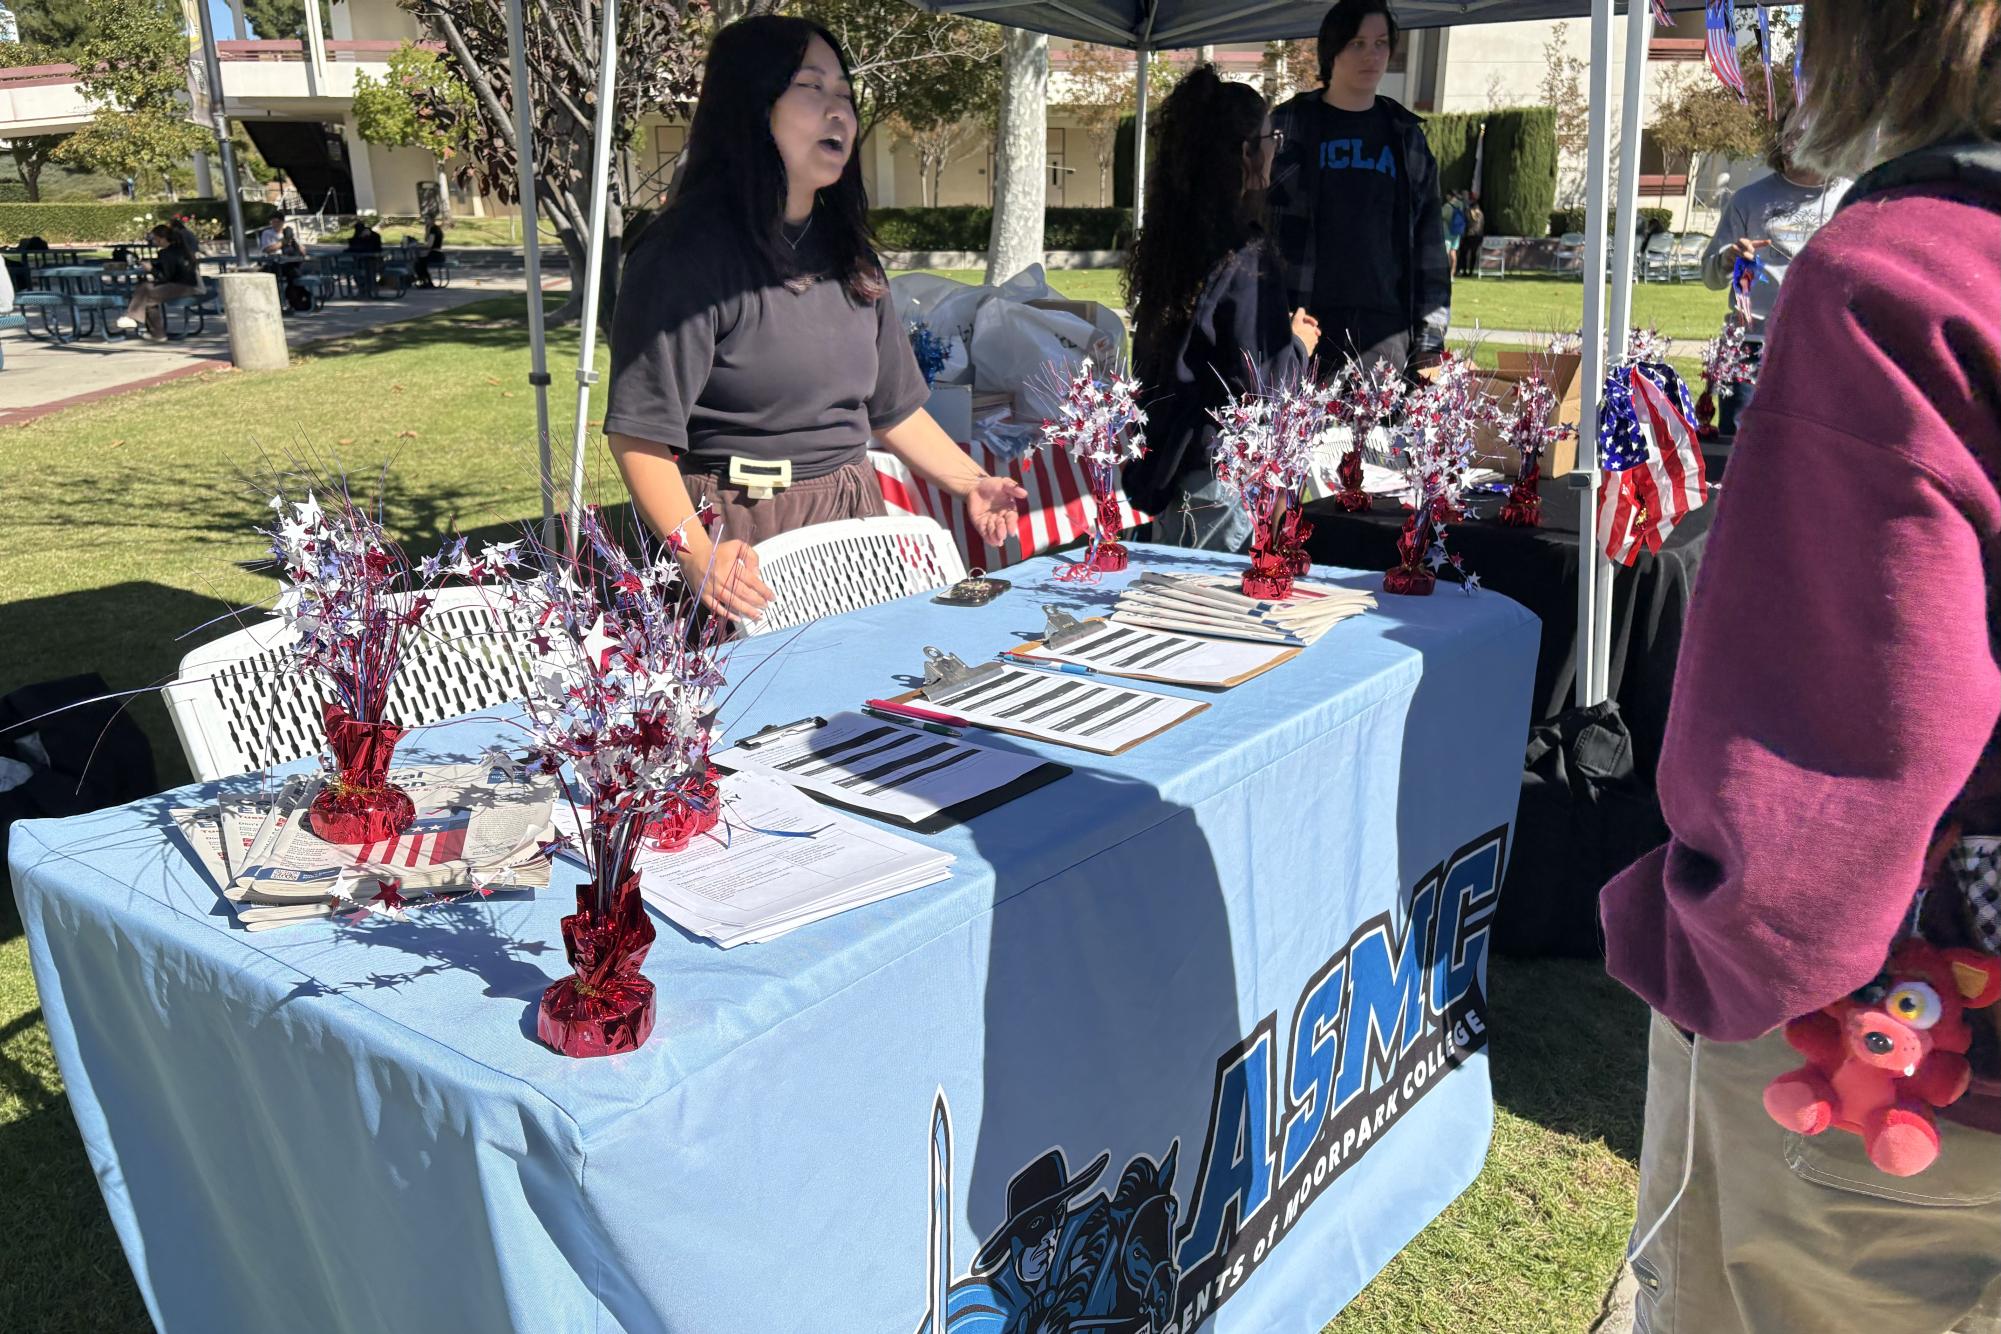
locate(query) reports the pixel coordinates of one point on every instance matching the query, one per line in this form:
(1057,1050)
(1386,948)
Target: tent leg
(1639,32)
(1145,58)
(594,265)
(538,343)
(1592,567)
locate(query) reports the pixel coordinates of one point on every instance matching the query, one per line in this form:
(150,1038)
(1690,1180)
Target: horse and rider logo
(1064,1260)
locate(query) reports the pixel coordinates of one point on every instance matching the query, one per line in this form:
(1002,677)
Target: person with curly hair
(1208,301)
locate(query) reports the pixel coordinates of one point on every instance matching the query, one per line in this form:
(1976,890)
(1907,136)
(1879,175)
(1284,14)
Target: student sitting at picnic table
(271,241)
(174,276)
(434,249)
(365,241)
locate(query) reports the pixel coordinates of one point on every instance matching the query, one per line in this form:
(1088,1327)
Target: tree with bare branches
(460,105)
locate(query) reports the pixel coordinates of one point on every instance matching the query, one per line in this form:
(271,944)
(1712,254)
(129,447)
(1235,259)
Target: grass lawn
(1527,304)
(127,519)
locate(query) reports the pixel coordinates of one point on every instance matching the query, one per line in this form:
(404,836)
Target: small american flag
(433,839)
(1719,26)
(1652,497)
(1662,19)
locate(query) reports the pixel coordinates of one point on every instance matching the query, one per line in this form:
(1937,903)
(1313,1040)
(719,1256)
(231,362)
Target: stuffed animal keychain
(1880,1060)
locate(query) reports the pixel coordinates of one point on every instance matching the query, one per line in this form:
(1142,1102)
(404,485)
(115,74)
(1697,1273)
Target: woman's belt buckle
(759,478)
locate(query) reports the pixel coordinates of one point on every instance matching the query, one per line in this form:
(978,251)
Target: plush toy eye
(1916,1004)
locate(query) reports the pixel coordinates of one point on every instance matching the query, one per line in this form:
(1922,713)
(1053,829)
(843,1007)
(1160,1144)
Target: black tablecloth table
(1588,804)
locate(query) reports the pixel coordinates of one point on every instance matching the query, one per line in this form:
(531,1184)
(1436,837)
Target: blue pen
(1047,664)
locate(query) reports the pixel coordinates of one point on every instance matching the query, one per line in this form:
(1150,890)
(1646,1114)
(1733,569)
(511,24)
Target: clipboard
(962,812)
(1062,625)
(943,670)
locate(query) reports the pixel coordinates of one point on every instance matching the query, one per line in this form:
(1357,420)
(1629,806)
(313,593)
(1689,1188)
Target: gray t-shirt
(713,356)
(1773,209)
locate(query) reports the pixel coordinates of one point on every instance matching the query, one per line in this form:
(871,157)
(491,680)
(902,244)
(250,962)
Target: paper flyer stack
(479,829)
(1213,605)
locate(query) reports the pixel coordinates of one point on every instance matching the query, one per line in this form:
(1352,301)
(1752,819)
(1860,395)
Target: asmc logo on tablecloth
(1374,1030)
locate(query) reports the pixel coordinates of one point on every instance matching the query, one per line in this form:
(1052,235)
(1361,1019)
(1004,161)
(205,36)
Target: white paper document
(1129,650)
(883,768)
(778,861)
(1069,710)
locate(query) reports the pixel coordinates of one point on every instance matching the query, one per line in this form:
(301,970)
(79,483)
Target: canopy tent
(1148,25)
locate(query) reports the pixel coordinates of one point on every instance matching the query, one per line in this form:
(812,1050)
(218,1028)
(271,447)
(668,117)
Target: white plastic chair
(238,706)
(1492,256)
(1688,256)
(828,568)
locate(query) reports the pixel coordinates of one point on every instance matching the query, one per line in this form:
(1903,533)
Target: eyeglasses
(1277,138)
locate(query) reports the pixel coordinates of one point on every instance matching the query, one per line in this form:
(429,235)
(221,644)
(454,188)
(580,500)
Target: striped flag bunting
(1057,511)
(1719,27)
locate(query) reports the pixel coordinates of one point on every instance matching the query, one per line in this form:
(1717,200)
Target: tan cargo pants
(1784,1234)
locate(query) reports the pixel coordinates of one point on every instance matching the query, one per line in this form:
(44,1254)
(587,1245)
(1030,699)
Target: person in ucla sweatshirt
(1831,751)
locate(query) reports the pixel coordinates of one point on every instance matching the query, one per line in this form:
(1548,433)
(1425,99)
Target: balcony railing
(374,52)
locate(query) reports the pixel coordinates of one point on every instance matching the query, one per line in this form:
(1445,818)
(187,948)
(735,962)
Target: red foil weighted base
(1269,577)
(1415,583)
(1410,578)
(360,804)
(1293,537)
(1351,497)
(1110,558)
(1524,507)
(684,821)
(607,1005)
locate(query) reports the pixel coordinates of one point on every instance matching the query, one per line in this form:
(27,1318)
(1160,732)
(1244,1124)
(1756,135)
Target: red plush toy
(1879,1061)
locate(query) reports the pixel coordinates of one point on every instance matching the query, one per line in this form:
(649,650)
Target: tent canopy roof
(1166,24)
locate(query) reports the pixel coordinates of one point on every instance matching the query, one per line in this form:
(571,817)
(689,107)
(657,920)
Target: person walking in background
(1208,300)
(1476,232)
(1766,224)
(1832,756)
(1355,211)
(434,249)
(1455,224)
(173,276)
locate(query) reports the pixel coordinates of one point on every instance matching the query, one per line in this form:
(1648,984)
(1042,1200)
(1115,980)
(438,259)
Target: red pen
(913,711)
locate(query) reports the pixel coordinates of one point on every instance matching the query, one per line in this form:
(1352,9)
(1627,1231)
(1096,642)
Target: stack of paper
(477,830)
(888,770)
(777,861)
(1214,605)
(1068,710)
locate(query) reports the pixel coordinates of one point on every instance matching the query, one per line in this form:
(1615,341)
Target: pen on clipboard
(905,721)
(913,713)
(1047,664)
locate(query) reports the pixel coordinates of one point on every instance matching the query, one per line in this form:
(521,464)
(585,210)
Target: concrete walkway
(41,377)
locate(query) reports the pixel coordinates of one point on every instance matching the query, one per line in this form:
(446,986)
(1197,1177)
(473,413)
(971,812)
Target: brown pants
(849,492)
(1785,1234)
(146,304)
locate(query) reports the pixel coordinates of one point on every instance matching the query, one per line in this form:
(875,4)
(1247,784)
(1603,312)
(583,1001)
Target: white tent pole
(1592,348)
(1632,110)
(1139,138)
(538,345)
(594,266)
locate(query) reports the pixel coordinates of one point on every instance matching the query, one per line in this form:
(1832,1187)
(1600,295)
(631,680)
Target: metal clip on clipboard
(1063,629)
(945,675)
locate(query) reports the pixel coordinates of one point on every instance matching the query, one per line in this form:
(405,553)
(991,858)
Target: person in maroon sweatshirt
(1833,729)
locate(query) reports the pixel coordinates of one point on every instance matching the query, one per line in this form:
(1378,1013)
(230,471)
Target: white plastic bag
(951,308)
(1023,350)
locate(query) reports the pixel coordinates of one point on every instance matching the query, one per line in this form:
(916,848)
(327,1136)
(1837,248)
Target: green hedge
(1453,138)
(967,226)
(1572,219)
(1519,177)
(69,224)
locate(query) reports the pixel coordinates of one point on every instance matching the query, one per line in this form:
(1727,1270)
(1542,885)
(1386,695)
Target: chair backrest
(1692,245)
(1492,243)
(1660,243)
(829,568)
(238,706)
(1572,238)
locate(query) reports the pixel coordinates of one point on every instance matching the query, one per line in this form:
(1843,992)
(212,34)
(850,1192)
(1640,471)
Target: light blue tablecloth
(1094,1066)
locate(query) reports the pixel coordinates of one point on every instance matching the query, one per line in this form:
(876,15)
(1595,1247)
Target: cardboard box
(1095,313)
(1561,373)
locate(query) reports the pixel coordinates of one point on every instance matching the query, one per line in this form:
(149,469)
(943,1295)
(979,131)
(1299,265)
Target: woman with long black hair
(755,351)
(1208,301)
